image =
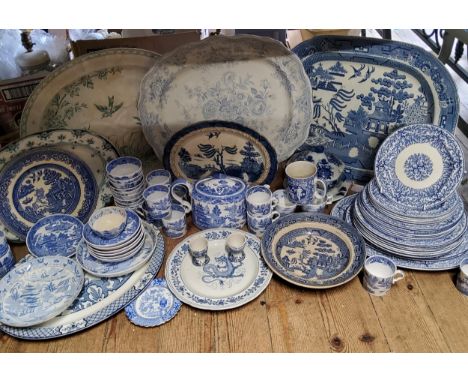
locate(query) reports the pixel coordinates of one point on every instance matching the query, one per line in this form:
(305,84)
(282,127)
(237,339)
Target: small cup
(108,222)
(380,273)
(258,223)
(318,203)
(158,199)
(198,248)
(235,245)
(301,177)
(175,224)
(124,169)
(260,200)
(462,279)
(7,261)
(159,177)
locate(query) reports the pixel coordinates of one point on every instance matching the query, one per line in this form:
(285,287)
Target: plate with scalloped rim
(98,92)
(221,284)
(92,149)
(251,80)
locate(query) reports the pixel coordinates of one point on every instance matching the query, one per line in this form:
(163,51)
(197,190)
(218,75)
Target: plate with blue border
(155,306)
(313,250)
(54,235)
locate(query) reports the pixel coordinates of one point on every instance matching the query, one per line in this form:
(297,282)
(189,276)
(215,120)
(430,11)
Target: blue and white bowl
(159,177)
(124,168)
(108,222)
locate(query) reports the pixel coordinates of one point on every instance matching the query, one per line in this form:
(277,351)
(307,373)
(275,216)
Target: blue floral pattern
(418,167)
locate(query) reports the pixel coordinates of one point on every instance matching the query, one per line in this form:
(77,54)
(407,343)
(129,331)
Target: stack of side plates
(411,210)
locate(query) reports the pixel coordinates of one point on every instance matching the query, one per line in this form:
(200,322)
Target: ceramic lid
(220,185)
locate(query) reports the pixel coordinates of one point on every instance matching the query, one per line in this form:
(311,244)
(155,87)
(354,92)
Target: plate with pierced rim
(42,182)
(200,150)
(313,250)
(419,166)
(92,149)
(98,92)
(37,290)
(221,284)
(100,298)
(251,80)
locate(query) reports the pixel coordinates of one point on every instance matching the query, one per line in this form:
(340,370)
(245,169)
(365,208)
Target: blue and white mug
(7,260)
(175,224)
(301,179)
(380,273)
(260,200)
(158,199)
(258,223)
(462,279)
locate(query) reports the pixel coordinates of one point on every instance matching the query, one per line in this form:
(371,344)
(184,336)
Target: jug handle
(180,182)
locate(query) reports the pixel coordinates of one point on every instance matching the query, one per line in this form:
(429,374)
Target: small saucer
(155,306)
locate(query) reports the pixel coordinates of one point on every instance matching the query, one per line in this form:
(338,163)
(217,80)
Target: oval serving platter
(97,91)
(200,150)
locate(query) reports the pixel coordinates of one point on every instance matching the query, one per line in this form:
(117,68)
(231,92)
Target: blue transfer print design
(223,270)
(418,167)
(7,262)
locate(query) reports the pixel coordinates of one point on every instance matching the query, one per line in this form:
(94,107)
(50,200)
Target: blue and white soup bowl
(380,273)
(260,200)
(124,169)
(217,201)
(108,222)
(175,224)
(462,279)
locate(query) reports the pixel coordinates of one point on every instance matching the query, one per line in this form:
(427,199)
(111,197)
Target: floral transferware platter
(200,150)
(155,306)
(419,166)
(251,80)
(43,182)
(38,290)
(221,284)
(92,149)
(100,298)
(55,235)
(97,92)
(313,250)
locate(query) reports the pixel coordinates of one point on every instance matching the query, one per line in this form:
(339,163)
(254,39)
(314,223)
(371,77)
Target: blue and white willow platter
(313,250)
(92,149)
(389,85)
(42,182)
(251,80)
(221,284)
(97,92)
(100,298)
(419,166)
(155,306)
(55,235)
(205,148)
(38,290)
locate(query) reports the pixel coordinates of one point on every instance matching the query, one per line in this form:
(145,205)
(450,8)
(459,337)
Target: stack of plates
(411,210)
(126,181)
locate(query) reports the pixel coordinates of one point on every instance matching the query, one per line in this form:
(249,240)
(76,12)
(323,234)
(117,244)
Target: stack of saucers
(411,209)
(126,181)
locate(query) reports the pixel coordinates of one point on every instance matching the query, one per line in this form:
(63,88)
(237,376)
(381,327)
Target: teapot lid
(220,185)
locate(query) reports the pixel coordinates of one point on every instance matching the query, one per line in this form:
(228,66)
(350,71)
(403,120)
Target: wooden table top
(424,312)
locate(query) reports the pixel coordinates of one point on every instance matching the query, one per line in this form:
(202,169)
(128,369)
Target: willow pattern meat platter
(100,298)
(254,81)
(313,250)
(98,92)
(222,283)
(43,182)
(90,148)
(205,148)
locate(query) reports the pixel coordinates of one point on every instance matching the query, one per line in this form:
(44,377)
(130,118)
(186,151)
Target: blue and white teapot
(217,201)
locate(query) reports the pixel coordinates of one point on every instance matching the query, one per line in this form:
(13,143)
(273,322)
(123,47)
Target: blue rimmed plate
(221,284)
(313,250)
(155,306)
(55,235)
(205,148)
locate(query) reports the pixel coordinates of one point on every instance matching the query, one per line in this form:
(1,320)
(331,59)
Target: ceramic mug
(301,179)
(175,224)
(260,200)
(159,177)
(7,261)
(235,245)
(284,206)
(258,223)
(380,273)
(158,199)
(198,249)
(320,200)
(462,279)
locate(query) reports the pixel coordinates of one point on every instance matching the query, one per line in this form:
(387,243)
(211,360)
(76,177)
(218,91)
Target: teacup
(284,206)
(108,222)
(159,177)
(124,169)
(198,249)
(258,223)
(380,273)
(462,279)
(260,200)
(158,199)
(320,200)
(175,224)
(7,260)
(235,245)
(301,177)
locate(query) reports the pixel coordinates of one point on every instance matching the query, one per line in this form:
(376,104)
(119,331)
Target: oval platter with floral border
(204,148)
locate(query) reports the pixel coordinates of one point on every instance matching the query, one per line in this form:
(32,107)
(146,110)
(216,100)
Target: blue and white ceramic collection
(54,235)
(175,224)
(462,278)
(158,199)
(235,245)
(284,206)
(380,273)
(108,222)
(159,177)
(155,306)
(260,200)
(198,249)
(258,223)
(301,177)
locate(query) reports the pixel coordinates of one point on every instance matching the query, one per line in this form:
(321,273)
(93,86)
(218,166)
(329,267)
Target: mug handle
(274,202)
(398,276)
(275,216)
(320,195)
(180,182)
